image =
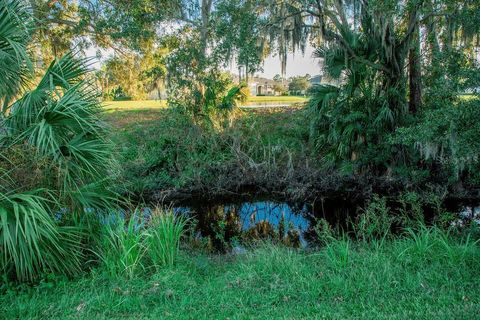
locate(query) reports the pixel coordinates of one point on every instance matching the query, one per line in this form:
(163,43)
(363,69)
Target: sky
(298,64)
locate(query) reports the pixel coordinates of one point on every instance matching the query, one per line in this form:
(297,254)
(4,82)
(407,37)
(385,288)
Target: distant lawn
(160,104)
(468,97)
(132,105)
(277,99)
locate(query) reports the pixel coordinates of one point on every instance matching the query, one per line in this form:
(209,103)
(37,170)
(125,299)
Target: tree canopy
(386,65)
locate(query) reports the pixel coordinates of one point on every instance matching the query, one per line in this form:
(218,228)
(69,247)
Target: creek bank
(292,215)
(310,187)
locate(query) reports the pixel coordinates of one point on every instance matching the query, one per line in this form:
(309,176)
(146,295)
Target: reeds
(136,246)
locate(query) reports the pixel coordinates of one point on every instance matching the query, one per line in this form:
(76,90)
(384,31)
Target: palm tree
(54,156)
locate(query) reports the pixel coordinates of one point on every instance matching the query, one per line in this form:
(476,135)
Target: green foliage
(208,98)
(15,33)
(362,124)
(447,136)
(59,29)
(272,282)
(238,32)
(375,221)
(163,239)
(163,149)
(122,247)
(351,119)
(131,247)
(133,75)
(298,85)
(324,232)
(56,124)
(59,120)
(234,96)
(421,241)
(32,243)
(338,253)
(411,209)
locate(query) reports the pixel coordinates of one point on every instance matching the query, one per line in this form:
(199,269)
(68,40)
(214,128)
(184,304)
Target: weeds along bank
(164,155)
(269,151)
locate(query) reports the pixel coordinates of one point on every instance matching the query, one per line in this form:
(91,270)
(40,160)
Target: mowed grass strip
(160,104)
(134,105)
(286,99)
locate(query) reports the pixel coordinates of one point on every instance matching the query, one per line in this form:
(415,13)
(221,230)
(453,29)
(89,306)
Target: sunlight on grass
(468,97)
(132,105)
(160,104)
(277,99)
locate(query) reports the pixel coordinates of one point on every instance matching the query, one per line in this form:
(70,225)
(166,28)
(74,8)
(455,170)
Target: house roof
(257,80)
(260,81)
(316,79)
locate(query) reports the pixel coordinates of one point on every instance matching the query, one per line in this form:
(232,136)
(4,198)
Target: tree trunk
(206,11)
(431,30)
(415,74)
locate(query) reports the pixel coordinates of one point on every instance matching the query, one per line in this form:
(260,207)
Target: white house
(262,87)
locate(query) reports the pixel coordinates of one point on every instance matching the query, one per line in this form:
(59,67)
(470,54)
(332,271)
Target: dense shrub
(54,158)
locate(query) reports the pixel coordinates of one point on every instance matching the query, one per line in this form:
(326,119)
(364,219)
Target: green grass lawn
(402,279)
(159,104)
(468,97)
(134,105)
(284,99)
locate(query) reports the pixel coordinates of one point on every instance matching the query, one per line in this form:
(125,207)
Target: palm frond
(15,64)
(57,124)
(31,242)
(233,97)
(60,119)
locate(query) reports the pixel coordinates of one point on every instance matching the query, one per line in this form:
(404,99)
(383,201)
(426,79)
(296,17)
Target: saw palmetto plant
(54,157)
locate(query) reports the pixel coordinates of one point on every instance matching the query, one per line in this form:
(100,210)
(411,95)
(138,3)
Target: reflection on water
(251,220)
(467,214)
(292,224)
(227,225)
(253,212)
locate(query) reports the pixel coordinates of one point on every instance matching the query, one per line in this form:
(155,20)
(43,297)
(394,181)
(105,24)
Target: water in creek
(287,222)
(291,223)
(251,220)
(231,224)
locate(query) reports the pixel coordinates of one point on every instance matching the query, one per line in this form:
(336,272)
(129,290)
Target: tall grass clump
(138,245)
(163,238)
(375,221)
(122,248)
(338,252)
(432,243)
